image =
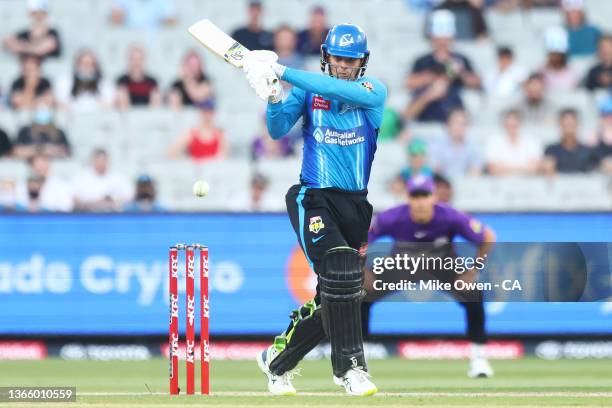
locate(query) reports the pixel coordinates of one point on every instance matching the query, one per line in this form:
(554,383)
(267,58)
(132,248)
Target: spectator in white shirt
(86,90)
(513,152)
(504,80)
(42,191)
(98,189)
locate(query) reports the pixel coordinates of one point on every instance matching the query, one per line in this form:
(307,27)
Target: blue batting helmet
(345,40)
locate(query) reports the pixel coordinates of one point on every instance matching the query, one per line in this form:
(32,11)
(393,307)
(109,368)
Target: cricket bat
(217,41)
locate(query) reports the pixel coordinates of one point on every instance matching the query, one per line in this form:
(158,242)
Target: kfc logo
(174,264)
(190,310)
(205,307)
(190,352)
(174,309)
(206,351)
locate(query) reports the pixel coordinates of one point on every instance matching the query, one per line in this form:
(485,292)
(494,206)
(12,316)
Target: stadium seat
(13,169)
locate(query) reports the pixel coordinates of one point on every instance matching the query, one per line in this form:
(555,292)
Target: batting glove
(264,81)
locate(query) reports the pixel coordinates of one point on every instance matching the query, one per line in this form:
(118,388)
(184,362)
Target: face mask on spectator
(86,76)
(144,196)
(33,194)
(43,116)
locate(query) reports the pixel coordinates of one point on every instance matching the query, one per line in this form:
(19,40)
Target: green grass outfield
(525,383)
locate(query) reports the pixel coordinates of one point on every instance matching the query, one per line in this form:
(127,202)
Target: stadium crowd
(436,85)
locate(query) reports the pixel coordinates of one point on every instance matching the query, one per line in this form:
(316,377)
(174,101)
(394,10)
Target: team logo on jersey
(318,135)
(316,224)
(346,40)
(320,103)
(368,85)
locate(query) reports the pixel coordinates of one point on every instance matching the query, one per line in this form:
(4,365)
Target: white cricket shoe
(356,381)
(480,368)
(277,384)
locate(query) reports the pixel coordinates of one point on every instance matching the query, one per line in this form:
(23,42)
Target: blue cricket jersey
(341,121)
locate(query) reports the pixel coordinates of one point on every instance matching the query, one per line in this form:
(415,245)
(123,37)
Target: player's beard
(348,74)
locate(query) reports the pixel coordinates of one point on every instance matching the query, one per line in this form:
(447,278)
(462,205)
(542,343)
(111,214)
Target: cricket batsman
(422,220)
(329,211)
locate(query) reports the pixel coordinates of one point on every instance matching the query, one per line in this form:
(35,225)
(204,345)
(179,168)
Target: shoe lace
(290,375)
(360,374)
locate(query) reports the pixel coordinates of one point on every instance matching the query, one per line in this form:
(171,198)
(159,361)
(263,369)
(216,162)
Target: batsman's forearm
(345,91)
(278,121)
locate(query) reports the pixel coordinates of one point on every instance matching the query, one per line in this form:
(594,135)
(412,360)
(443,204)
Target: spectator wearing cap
(30,85)
(513,152)
(43,190)
(204,141)
(257,198)
(600,75)
(583,37)
(535,106)
(253,36)
(603,140)
(193,85)
(143,14)
(417,160)
(568,155)
(136,87)
(145,197)
(85,90)
(438,77)
(455,155)
(310,39)
(42,135)
(506,78)
(471,24)
(39,39)
(558,75)
(417,165)
(98,188)
(264,146)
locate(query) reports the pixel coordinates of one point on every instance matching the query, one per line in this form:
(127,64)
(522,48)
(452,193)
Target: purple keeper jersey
(446,223)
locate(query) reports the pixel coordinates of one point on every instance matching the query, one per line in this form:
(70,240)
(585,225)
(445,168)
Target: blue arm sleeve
(280,117)
(352,92)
